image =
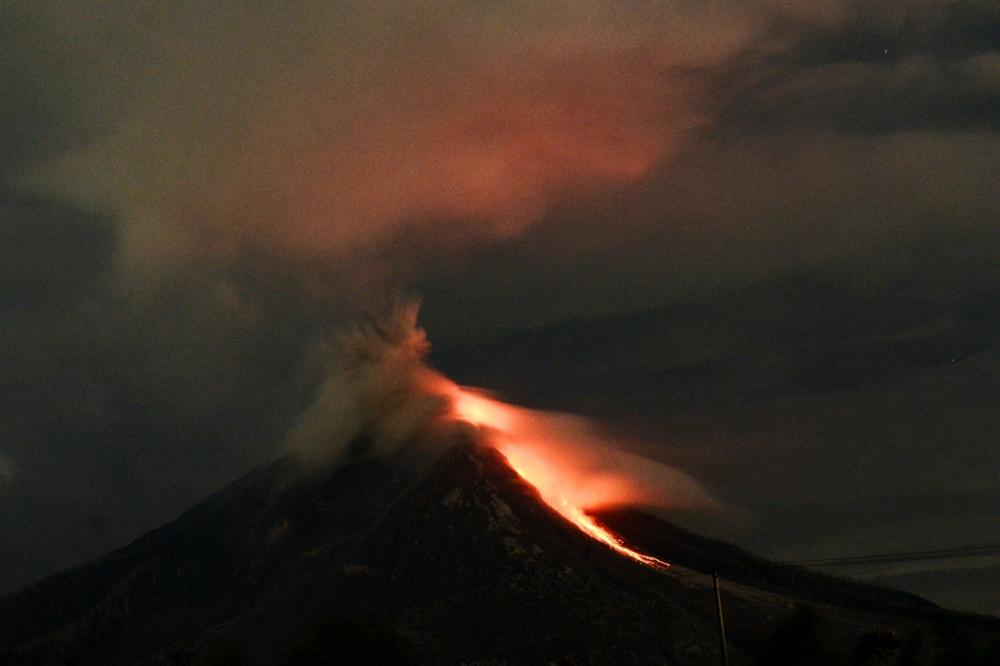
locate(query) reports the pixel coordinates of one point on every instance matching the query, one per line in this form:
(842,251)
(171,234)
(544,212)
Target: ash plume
(377,385)
(381,395)
(349,122)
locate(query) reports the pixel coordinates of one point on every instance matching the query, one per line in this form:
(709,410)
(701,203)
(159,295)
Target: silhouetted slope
(465,559)
(377,563)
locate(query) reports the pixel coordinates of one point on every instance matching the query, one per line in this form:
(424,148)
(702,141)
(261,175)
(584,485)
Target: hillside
(376,562)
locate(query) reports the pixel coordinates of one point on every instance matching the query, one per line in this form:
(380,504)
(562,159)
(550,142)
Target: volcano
(456,560)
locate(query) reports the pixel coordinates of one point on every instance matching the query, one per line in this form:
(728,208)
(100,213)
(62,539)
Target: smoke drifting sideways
(323,130)
(381,391)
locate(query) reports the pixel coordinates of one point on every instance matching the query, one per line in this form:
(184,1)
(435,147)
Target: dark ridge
(461,561)
(678,546)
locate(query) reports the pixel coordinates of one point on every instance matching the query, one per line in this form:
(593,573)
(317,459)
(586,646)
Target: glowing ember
(526,440)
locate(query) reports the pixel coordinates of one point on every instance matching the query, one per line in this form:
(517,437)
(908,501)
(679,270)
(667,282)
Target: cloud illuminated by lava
(325,129)
(566,458)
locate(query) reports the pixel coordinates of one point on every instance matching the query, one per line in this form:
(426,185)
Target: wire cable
(910,556)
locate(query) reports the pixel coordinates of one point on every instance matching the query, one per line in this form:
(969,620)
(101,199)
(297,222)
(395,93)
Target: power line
(910,556)
(884,558)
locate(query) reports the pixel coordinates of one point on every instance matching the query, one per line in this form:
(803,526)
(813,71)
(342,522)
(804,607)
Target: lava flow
(567,478)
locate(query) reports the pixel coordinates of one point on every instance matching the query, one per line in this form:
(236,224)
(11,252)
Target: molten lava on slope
(537,450)
(382,390)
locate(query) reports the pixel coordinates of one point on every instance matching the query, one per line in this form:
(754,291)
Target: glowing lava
(533,444)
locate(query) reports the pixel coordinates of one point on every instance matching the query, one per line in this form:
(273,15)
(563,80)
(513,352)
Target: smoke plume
(377,387)
(380,395)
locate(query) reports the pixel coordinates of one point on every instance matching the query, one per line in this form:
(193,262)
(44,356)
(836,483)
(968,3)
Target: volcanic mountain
(454,560)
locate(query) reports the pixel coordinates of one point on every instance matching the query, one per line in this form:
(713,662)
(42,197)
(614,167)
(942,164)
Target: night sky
(758,241)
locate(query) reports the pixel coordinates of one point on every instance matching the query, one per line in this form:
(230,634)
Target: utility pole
(722,623)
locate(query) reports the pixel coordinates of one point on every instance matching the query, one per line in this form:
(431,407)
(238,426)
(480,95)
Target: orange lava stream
(586,524)
(510,430)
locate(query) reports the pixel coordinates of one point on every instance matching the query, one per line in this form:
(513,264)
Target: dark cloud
(944,30)
(46,247)
(42,92)
(121,409)
(880,70)
(914,93)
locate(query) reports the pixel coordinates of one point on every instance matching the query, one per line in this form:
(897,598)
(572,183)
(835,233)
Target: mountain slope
(376,562)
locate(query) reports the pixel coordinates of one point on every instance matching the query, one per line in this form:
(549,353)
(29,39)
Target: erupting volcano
(509,429)
(417,521)
(381,382)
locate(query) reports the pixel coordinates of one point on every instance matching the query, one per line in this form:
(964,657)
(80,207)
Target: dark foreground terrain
(460,563)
